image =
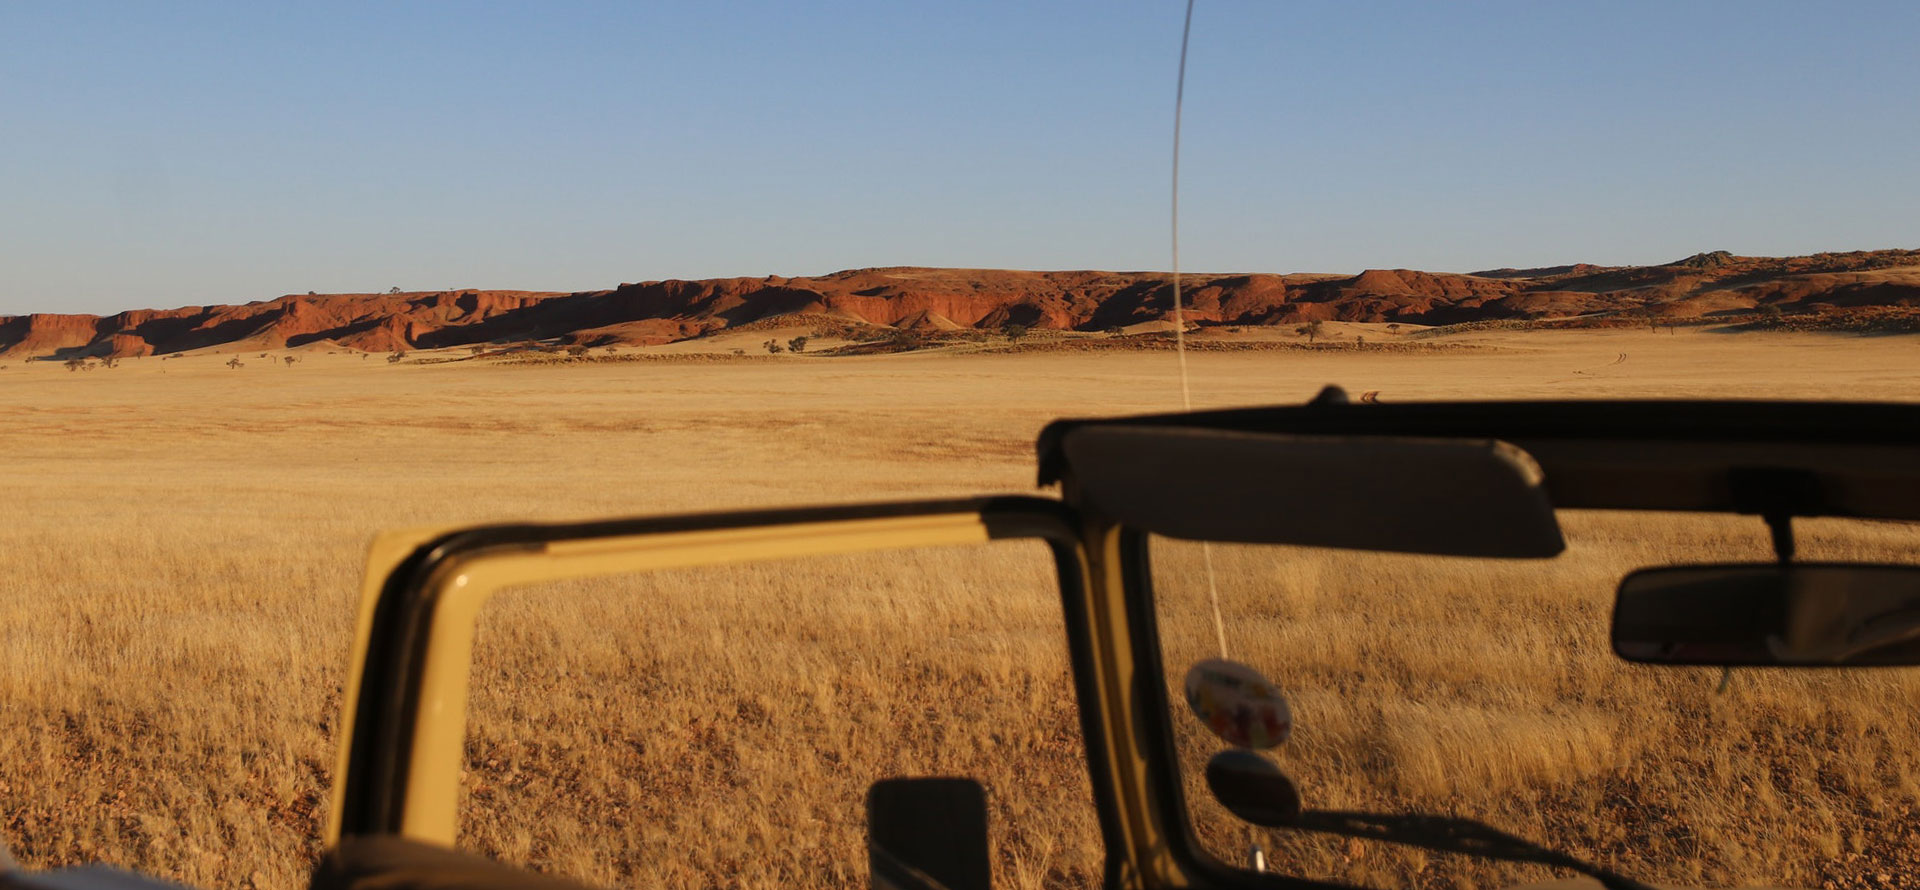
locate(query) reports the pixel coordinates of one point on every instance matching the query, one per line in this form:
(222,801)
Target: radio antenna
(1179,312)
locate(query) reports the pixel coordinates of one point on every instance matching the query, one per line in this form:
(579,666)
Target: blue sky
(172,154)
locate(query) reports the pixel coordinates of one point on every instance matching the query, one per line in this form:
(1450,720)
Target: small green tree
(1311,330)
(1014,331)
(797,344)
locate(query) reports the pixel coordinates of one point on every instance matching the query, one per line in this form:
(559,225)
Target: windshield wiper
(1453,835)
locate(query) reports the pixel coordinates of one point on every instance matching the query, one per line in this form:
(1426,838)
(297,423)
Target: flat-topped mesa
(932,300)
(24,336)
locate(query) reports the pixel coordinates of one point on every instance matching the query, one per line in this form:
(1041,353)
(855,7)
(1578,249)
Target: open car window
(1486,689)
(721,726)
(708,703)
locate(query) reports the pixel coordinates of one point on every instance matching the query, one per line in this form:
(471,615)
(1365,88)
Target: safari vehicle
(1178,741)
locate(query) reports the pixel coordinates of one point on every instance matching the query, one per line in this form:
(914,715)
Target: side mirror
(1807,614)
(928,834)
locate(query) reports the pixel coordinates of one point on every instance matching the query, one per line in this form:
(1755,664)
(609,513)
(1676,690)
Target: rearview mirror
(1825,614)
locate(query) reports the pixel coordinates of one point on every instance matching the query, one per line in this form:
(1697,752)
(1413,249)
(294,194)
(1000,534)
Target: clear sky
(165,154)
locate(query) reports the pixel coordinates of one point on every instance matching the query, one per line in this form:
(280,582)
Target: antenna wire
(1179,312)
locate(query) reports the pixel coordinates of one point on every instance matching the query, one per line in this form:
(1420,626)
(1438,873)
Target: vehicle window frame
(398,773)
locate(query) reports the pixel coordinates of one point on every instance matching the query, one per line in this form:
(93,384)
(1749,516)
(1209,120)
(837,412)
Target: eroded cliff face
(948,299)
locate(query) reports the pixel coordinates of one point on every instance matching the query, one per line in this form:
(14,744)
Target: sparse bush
(1114,330)
(395,357)
(1014,331)
(577,351)
(477,348)
(290,360)
(1311,330)
(905,339)
(773,347)
(235,363)
(797,344)
(75,364)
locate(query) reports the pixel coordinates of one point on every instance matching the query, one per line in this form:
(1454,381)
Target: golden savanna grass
(183,544)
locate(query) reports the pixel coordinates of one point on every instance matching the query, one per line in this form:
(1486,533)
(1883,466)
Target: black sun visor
(1453,497)
(1480,478)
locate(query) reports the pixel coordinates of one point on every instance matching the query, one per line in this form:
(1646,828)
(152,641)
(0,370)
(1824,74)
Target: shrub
(773,347)
(797,344)
(577,351)
(1014,331)
(394,357)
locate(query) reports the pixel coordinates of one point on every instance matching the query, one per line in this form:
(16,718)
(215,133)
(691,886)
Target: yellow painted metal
(388,550)
(1147,859)
(462,585)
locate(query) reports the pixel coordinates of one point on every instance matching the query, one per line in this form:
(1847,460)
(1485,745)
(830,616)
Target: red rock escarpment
(942,299)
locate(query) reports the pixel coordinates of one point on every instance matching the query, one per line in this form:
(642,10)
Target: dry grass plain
(183,543)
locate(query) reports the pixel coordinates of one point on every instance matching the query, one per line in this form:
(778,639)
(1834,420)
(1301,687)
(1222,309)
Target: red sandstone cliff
(944,299)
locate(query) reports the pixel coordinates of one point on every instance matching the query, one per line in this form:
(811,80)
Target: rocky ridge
(1703,286)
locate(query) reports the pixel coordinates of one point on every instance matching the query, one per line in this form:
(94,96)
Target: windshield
(1486,689)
